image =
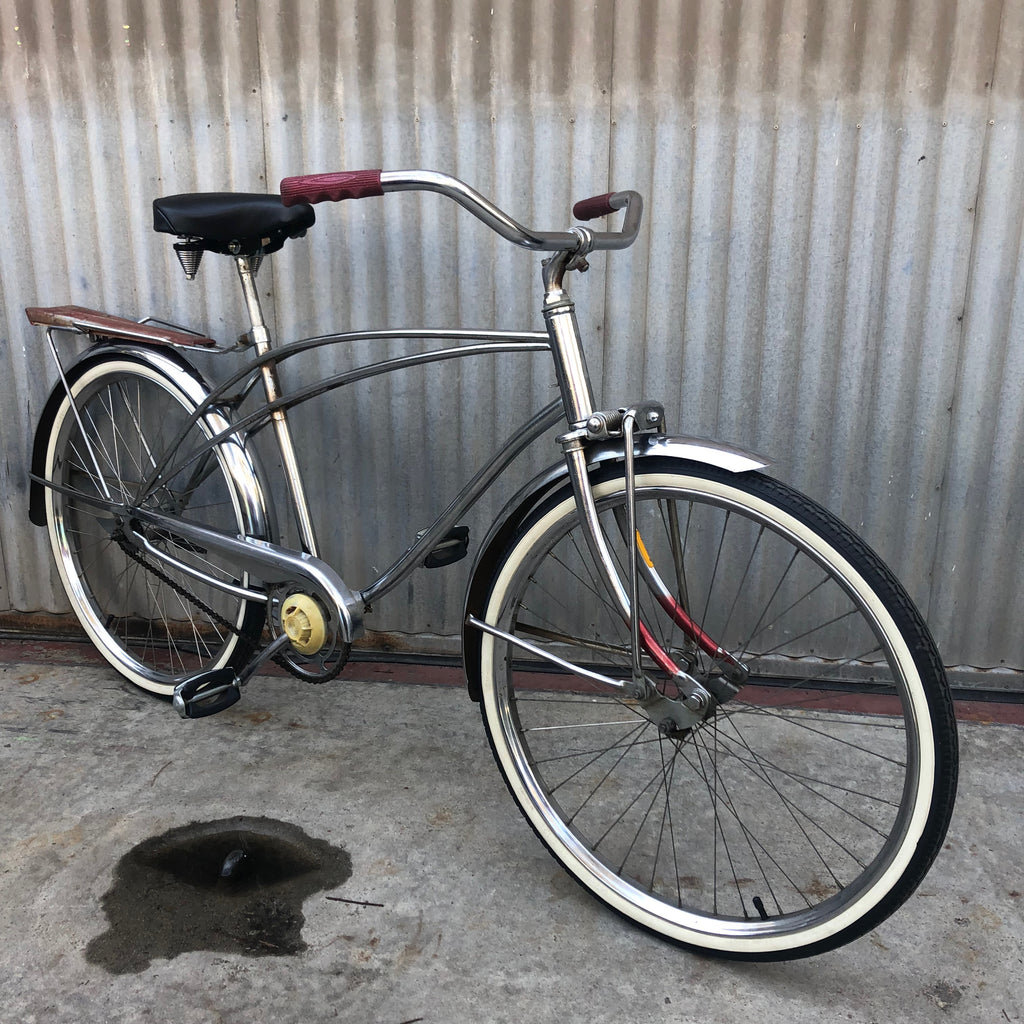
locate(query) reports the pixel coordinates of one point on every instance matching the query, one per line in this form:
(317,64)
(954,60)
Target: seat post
(247,267)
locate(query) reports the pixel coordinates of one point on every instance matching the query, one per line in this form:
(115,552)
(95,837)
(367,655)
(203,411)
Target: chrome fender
(711,453)
(603,460)
(241,460)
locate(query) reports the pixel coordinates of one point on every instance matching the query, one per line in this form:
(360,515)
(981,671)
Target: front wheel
(803,810)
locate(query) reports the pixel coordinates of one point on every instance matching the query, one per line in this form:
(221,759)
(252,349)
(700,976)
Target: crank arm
(215,690)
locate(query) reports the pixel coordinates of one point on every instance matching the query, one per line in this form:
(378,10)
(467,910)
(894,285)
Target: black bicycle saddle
(236,223)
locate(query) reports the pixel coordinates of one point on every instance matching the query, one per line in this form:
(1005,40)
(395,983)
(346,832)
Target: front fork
(697,700)
(589,426)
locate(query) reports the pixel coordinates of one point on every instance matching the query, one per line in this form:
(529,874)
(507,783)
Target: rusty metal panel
(828,271)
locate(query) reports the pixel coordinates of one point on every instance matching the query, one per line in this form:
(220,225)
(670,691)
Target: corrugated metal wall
(829,269)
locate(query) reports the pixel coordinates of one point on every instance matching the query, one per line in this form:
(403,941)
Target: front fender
(604,461)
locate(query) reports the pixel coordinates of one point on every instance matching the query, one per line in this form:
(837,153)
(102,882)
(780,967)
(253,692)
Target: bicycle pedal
(206,693)
(454,547)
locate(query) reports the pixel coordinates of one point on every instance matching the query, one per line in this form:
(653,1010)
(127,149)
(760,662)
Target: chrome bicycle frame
(575,407)
(262,369)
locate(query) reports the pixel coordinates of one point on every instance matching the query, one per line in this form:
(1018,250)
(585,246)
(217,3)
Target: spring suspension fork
(699,697)
(578,400)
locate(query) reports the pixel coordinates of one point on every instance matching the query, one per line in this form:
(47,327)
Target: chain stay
(280,659)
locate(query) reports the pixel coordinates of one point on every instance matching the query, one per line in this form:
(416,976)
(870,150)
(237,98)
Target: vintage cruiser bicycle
(713,703)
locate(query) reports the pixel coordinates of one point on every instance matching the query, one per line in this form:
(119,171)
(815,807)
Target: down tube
(517,442)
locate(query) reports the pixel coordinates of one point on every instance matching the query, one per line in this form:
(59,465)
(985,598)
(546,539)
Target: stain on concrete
(944,994)
(235,885)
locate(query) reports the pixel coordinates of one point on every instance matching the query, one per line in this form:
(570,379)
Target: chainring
(321,667)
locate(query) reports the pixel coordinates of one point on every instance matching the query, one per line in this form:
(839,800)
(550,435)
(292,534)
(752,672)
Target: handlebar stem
(564,337)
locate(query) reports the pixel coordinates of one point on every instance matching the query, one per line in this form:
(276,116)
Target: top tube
(316,188)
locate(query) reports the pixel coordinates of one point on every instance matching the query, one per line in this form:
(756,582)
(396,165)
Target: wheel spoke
(153,622)
(789,803)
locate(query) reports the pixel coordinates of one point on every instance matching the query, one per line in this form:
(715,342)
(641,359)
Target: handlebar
(318,188)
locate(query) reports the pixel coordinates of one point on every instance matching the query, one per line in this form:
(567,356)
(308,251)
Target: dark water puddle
(233,886)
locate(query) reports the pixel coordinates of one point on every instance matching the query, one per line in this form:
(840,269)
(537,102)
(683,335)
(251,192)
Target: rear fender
(258,512)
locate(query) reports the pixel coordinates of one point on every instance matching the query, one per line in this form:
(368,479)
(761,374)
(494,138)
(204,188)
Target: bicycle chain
(279,659)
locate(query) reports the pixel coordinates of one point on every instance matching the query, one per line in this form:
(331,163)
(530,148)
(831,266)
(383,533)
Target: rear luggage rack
(106,325)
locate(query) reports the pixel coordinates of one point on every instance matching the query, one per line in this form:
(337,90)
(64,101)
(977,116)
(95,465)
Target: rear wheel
(154,622)
(801,812)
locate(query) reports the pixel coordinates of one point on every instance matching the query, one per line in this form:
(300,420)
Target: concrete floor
(468,919)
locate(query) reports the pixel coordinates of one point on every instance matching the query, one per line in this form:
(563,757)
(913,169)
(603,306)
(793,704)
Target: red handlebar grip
(595,206)
(319,188)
